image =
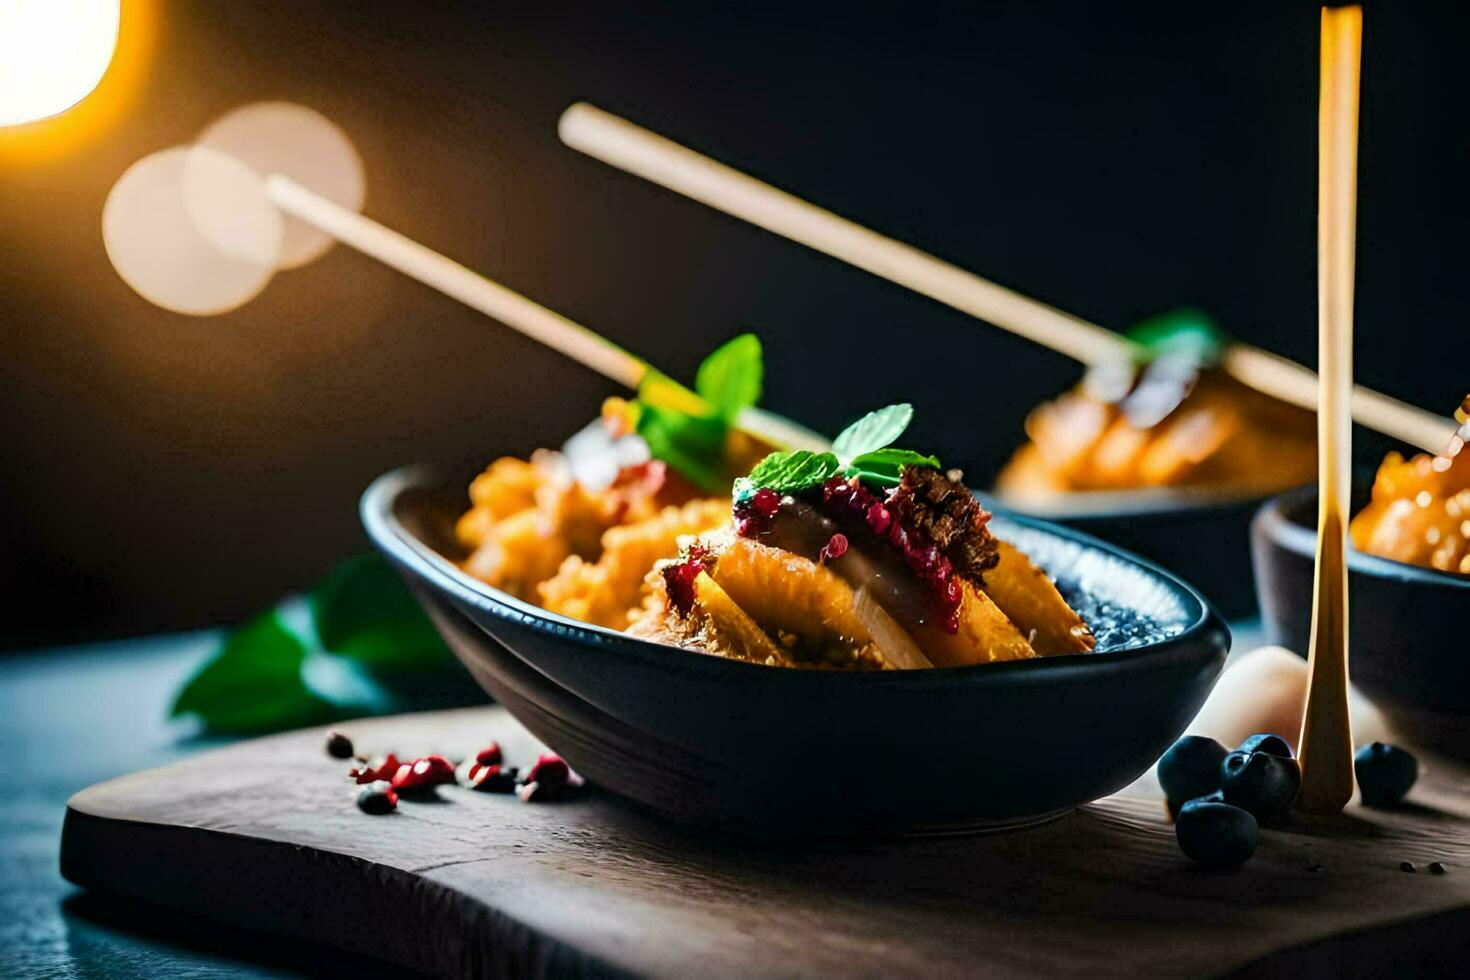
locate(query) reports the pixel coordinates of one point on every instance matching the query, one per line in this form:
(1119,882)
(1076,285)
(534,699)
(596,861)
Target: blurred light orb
(290,139)
(157,245)
(52,54)
(227,204)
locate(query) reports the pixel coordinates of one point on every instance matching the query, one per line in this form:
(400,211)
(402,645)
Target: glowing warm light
(156,243)
(52,54)
(281,137)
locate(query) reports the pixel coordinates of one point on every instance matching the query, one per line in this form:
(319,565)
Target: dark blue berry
(1190,769)
(1260,782)
(1385,773)
(1218,796)
(1216,834)
(1267,743)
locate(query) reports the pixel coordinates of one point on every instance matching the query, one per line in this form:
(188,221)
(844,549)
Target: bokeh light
(282,137)
(227,205)
(157,246)
(52,53)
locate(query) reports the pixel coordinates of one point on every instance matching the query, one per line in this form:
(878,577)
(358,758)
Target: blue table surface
(70,717)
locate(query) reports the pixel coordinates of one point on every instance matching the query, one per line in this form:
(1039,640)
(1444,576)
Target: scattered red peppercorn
(493,778)
(339,746)
(549,770)
(422,775)
(381,768)
(534,793)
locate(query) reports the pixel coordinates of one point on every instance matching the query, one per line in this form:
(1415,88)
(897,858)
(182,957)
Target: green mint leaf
(1184,333)
(730,378)
(885,467)
(682,430)
(691,445)
(254,684)
(365,613)
(872,432)
(789,473)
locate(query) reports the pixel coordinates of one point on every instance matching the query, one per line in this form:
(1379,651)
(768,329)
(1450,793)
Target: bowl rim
(402,547)
(1273,522)
(1099,505)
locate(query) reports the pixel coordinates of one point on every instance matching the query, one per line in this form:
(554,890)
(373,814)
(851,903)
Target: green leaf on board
(364,612)
(254,684)
(358,632)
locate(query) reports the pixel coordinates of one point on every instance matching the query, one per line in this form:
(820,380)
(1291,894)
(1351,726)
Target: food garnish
(867,557)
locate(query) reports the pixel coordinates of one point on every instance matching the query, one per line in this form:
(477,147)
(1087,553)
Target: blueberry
(1191,769)
(1218,796)
(1267,743)
(1260,782)
(1385,773)
(1216,834)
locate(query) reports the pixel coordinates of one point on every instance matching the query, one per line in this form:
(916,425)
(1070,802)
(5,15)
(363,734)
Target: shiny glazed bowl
(1205,531)
(1407,624)
(778,752)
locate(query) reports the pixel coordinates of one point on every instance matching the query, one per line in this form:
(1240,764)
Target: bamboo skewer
(494,300)
(639,151)
(1325,747)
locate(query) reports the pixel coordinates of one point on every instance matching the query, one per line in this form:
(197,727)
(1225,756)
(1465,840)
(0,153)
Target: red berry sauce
(860,511)
(679,578)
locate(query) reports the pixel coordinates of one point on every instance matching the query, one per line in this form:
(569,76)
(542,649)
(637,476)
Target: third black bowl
(1408,625)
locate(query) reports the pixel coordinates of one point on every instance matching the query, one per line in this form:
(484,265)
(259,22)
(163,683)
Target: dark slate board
(265,834)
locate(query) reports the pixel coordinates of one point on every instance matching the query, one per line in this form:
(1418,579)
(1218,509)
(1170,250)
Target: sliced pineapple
(1030,600)
(740,635)
(786,593)
(985,635)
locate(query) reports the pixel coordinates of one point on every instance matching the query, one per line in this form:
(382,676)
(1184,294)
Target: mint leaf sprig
(689,429)
(863,450)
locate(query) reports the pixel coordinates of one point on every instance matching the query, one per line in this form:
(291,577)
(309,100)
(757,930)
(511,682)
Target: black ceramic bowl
(1407,625)
(1174,528)
(796,752)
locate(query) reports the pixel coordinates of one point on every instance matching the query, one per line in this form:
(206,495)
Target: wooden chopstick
(639,151)
(509,307)
(1326,745)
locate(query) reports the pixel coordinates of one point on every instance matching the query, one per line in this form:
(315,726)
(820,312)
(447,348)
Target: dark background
(1116,160)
